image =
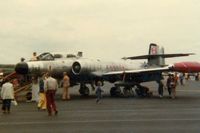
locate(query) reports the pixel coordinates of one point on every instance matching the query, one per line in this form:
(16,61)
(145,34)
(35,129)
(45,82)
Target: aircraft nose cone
(22,68)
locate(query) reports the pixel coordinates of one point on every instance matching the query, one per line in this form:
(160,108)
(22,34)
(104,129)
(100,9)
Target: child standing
(98,92)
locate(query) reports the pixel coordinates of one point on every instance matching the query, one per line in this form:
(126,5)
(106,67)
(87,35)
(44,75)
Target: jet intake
(76,68)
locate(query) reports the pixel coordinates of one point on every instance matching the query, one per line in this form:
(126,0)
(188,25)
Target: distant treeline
(7,68)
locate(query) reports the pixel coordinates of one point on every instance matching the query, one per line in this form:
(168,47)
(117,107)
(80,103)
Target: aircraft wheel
(128,92)
(142,91)
(112,91)
(84,91)
(115,92)
(87,91)
(28,96)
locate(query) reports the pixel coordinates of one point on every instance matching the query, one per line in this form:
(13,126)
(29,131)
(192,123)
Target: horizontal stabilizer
(158,55)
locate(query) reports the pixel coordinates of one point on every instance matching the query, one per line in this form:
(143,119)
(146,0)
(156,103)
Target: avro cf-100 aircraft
(124,73)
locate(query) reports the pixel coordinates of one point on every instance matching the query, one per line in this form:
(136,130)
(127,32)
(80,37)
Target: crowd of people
(43,93)
(172,81)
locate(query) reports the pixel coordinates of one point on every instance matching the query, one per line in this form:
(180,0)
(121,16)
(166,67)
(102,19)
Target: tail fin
(156,56)
(153,49)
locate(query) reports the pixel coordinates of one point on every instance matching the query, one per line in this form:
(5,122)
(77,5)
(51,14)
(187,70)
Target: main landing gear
(128,91)
(118,91)
(143,91)
(85,91)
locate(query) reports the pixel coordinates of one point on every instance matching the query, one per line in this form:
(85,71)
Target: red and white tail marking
(154,50)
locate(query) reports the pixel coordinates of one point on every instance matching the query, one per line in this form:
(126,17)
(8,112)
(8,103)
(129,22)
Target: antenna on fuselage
(80,54)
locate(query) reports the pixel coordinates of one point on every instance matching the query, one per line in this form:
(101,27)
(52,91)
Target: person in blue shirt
(98,92)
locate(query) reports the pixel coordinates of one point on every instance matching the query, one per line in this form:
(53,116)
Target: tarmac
(112,115)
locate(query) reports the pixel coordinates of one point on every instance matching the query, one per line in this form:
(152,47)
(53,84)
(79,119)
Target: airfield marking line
(133,111)
(188,90)
(91,121)
(128,110)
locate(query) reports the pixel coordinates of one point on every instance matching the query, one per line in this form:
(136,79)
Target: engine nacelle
(76,68)
(85,66)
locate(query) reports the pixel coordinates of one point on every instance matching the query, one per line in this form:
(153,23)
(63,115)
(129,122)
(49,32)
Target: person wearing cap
(22,59)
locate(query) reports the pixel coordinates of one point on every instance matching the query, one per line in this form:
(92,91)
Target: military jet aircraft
(124,73)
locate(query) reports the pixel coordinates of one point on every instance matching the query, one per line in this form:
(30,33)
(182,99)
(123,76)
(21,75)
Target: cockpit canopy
(45,56)
(52,56)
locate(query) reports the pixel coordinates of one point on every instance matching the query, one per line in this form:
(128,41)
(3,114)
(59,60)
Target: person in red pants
(51,85)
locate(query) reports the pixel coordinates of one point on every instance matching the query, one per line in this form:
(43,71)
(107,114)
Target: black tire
(84,91)
(113,92)
(28,96)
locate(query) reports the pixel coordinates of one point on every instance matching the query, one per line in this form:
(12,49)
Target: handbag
(14,102)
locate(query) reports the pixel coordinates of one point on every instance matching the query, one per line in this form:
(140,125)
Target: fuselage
(79,69)
(87,70)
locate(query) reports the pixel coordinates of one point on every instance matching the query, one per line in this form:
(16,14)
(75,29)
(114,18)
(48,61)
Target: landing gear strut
(143,91)
(115,92)
(84,90)
(128,91)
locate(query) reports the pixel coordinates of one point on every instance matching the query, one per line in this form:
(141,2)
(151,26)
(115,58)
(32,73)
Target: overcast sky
(100,28)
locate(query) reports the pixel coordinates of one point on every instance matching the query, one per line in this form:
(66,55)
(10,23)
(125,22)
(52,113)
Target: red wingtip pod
(187,67)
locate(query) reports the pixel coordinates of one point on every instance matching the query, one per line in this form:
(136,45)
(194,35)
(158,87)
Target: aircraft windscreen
(71,56)
(45,56)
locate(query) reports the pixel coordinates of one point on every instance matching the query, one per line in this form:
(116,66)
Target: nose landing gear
(84,90)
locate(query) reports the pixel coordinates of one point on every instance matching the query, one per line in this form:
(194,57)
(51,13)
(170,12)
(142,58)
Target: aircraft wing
(97,73)
(139,71)
(138,76)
